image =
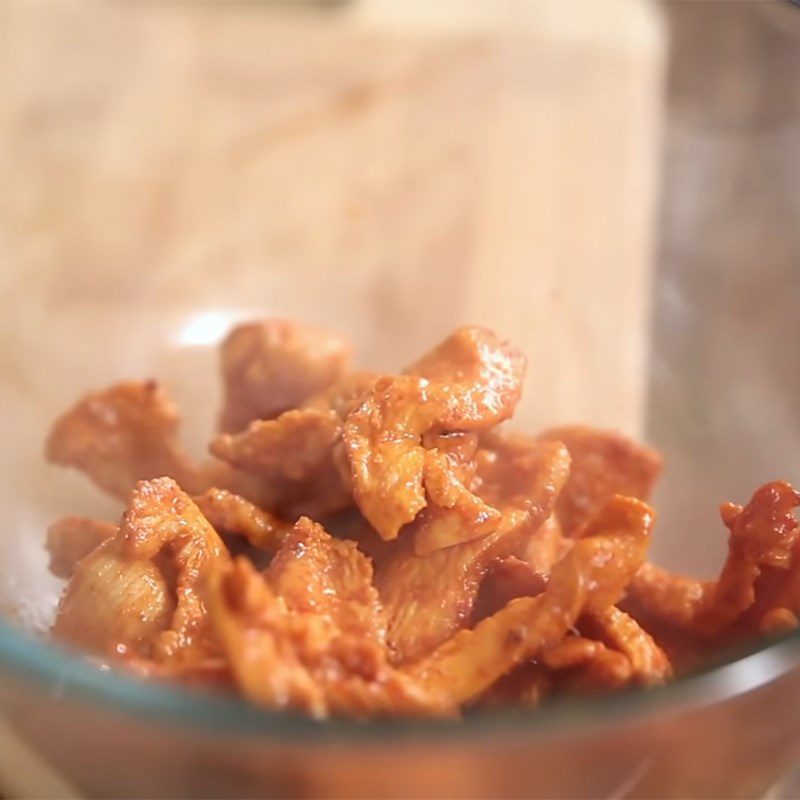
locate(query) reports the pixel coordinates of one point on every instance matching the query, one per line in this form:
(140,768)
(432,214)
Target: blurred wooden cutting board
(389,169)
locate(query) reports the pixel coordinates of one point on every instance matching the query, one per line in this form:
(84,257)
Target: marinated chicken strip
(506,579)
(429,598)
(297,446)
(604,463)
(524,687)
(298,458)
(455,514)
(114,606)
(504,480)
(763,536)
(273,366)
(350,525)
(581,666)
(122,435)
(383,437)
(546,546)
(161,517)
(315,573)
(666,597)
(136,594)
(620,632)
(260,643)
(574,664)
(71,539)
(591,577)
(571,651)
(479,362)
(295,456)
(230,513)
(345,395)
(526,576)
(607,671)
(302,660)
(777,602)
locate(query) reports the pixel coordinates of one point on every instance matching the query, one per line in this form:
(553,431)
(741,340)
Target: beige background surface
(724,399)
(389,178)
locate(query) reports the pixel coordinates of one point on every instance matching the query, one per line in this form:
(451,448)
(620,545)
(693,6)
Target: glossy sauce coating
(370,544)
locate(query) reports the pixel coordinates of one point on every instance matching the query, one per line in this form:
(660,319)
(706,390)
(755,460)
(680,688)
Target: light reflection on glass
(206,327)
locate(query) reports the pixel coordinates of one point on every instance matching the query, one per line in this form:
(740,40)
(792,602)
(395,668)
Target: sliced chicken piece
(283,658)
(604,463)
(113,605)
(429,598)
(472,381)
(122,435)
(316,573)
(232,514)
(297,460)
(275,365)
(591,577)
(763,539)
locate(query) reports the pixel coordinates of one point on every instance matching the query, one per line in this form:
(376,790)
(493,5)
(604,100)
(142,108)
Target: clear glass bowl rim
(56,672)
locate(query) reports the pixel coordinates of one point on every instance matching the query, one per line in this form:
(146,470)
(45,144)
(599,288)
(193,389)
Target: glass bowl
(91,299)
(731,731)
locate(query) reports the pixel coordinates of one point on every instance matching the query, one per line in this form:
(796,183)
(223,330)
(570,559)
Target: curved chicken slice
(506,579)
(284,658)
(122,435)
(622,633)
(345,395)
(606,671)
(315,573)
(136,595)
(575,664)
(162,518)
(454,514)
(591,577)
(275,365)
(254,628)
(526,686)
(777,603)
(230,513)
(487,369)
(476,383)
(572,651)
(581,666)
(298,459)
(614,629)
(666,597)
(510,479)
(429,598)
(763,536)
(296,446)
(114,606)
(71,539)
(524,574)
(295,456)
(604,463)
(503,479)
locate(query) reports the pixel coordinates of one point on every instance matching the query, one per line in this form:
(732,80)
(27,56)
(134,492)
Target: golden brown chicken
(395,552)
(272,366)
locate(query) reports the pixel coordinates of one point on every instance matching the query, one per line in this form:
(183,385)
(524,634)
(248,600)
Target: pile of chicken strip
(366,544)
